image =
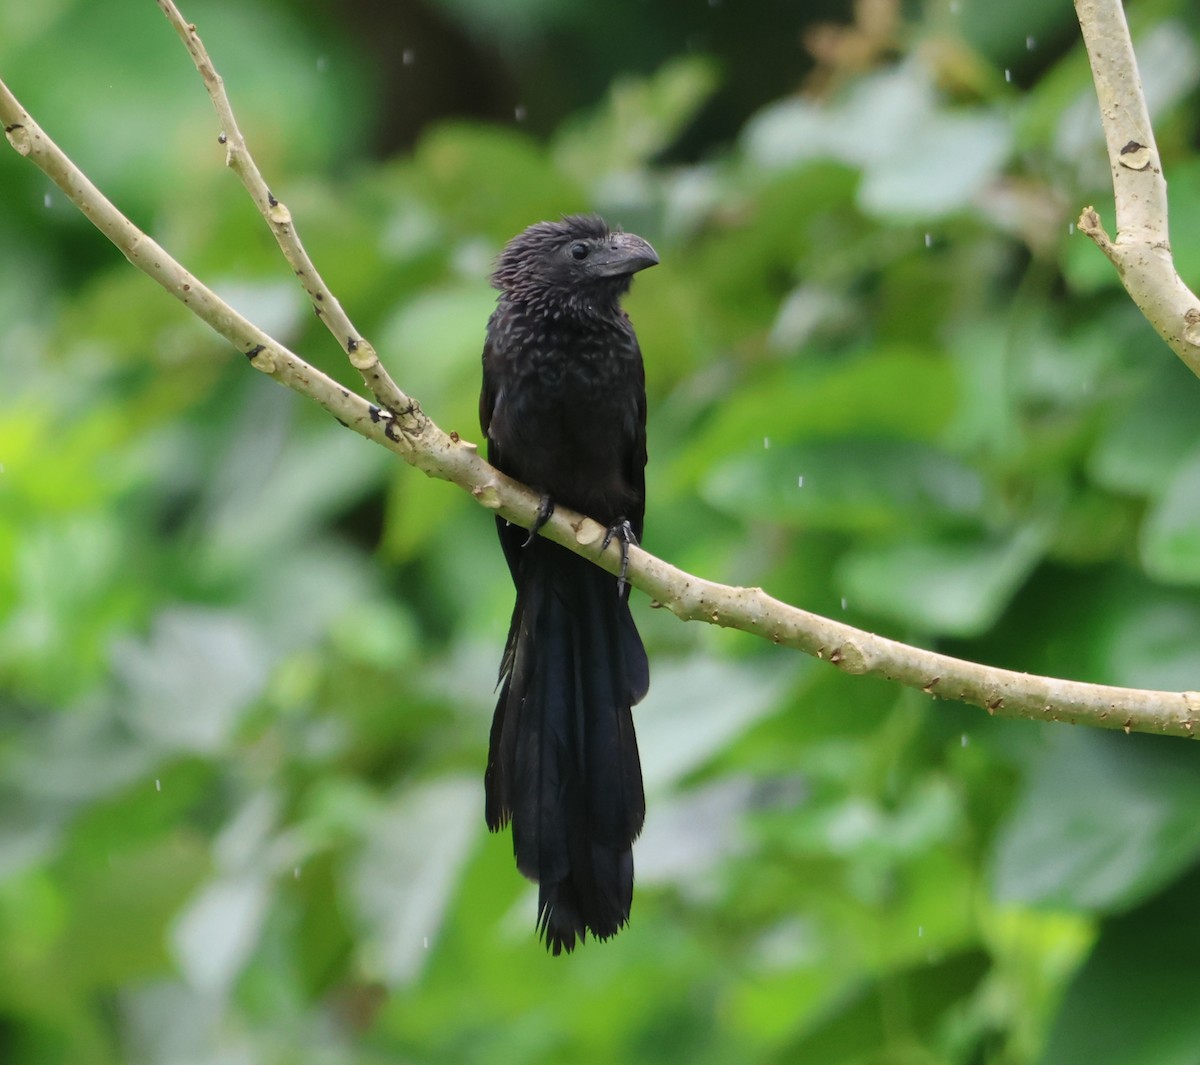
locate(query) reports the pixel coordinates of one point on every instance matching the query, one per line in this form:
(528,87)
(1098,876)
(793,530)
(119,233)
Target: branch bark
(399,424)
(1141,251)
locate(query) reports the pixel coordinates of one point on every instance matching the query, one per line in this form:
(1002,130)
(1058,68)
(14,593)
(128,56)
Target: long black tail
(563,763)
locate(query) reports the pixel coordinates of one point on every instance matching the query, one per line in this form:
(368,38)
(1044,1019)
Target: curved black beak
(621,255)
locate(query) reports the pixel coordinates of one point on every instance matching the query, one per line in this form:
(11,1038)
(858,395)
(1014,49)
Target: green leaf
(520,187)
(188,685)
(213,937)
(1103,820)
(913,1000)
(940,586)
(919,157)
(804,399)
(404,877)
(141,146)
(854,485)
(1171,536)
(1139,451)
(640,119)
(438,340)
(274,485)
(1151,640)
(1134,1000)
(700,706)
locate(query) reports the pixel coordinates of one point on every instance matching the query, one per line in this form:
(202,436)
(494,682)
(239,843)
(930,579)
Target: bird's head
(577,263)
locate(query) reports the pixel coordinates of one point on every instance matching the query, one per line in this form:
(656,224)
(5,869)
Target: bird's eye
(579,250)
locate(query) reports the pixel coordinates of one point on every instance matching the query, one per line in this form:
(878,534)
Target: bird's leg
(620,530)
(544,511)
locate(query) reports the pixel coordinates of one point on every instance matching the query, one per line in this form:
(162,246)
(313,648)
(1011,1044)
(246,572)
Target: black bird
(563,408)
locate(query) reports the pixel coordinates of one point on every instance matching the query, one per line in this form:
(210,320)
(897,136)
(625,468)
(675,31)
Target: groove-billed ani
(563,407)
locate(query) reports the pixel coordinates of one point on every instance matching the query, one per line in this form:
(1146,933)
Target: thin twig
(1141,251)
(420,442)
(238,158)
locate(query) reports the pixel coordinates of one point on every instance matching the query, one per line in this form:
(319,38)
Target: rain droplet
(425,942)
(800,481)
(1071,228)
(1030,43)
(843,602)
(964,739)
(408,57)
(920,930)
(47,202)
(157,784)
(766,443)
(929,240)
(519,112)
(1007,75)
(296,873)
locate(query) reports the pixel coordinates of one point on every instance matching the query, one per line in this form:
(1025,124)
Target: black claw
(544,512)
(621,530)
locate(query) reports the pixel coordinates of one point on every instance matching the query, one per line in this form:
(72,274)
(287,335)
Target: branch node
(849,658)
(18,137)
(488,495)
(1191,327)
(588,533)
(1135,156)
(262,358)
(362,354)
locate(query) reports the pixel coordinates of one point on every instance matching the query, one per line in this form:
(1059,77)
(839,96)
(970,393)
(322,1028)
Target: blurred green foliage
(246,659)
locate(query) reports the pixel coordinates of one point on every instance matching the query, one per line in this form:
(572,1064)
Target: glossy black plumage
(563,408)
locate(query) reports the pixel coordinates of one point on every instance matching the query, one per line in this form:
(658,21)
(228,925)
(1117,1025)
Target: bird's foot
(622,531)
(544,512)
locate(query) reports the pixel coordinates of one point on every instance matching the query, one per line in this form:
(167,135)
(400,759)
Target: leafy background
(246,659)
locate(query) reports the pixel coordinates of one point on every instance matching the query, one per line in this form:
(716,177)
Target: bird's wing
(491,396)
(635,452)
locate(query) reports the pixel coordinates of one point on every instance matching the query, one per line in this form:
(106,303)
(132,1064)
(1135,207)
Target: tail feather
(563,764)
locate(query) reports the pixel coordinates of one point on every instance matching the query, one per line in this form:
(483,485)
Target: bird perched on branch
(563,408)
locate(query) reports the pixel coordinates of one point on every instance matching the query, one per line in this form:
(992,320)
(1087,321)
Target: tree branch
(1142,249)
(414,436)
(238,158)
